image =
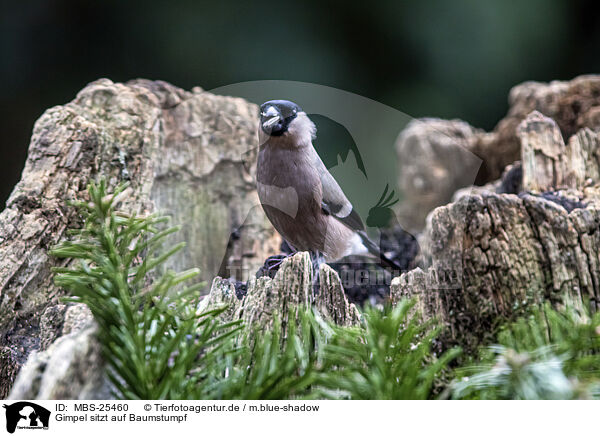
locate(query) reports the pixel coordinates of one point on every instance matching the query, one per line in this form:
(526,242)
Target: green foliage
(388,358)
(276,365)
(151,336)
(548,355)
(158,347)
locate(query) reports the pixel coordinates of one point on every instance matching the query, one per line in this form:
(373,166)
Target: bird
(299,195)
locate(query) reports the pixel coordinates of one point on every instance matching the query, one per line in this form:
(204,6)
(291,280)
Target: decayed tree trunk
(186,154)
(435,157)
(292,286)
(487,256)
(190,155)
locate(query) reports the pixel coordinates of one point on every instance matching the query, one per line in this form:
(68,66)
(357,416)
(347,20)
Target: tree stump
(292,286)
(488,256)
(190,155)
(436,157)
(485,257)
(186,154)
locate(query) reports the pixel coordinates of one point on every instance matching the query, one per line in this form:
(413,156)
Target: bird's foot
(271,265)
(274,262)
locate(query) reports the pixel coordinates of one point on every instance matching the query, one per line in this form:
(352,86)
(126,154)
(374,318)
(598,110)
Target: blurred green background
(450,59)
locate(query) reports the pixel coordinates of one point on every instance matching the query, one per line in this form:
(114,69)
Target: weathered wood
(71,368)
(433,162)
(550,163)
(573,104)
(429,151)
(187,154)
(487,256)
(544,154)
(291,287)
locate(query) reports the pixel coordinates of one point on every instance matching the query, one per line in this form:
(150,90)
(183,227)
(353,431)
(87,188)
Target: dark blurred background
(450,59)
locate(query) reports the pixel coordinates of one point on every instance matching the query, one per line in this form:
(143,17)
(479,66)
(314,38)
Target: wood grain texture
(487,256)
(186,154)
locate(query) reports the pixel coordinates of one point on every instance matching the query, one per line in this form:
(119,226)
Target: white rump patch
(356,246)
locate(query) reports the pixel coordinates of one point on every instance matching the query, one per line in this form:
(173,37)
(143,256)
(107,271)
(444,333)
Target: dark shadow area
(431,58)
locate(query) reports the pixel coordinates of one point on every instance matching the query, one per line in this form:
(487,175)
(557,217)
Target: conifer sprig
(152,338)
(549,354)
(389,357)
(157,346)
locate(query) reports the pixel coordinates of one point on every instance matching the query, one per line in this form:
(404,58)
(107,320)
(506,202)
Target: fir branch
(549,354)
(152,339)
(389,358)
(157,346)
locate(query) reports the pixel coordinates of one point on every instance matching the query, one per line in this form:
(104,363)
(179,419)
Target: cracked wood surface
(292,286)
(435,157)
(186,154)
(488,256)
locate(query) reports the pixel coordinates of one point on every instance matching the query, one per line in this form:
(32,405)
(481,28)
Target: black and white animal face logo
(26,415)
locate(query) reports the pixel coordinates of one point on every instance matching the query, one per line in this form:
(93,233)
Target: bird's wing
(336,204)
(334,200)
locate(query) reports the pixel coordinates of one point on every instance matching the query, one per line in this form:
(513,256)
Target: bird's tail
(375,251)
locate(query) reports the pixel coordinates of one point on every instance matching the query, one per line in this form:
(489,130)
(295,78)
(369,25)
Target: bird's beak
(270,117)
(270,122)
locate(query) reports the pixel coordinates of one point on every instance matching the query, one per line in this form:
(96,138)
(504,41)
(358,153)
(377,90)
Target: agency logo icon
(26,415)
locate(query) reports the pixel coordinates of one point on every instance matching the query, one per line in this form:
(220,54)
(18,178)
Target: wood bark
(292,286)
(488,256)
(573,104)
(435,157)
(190,155)
(186,154)
(485,257)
